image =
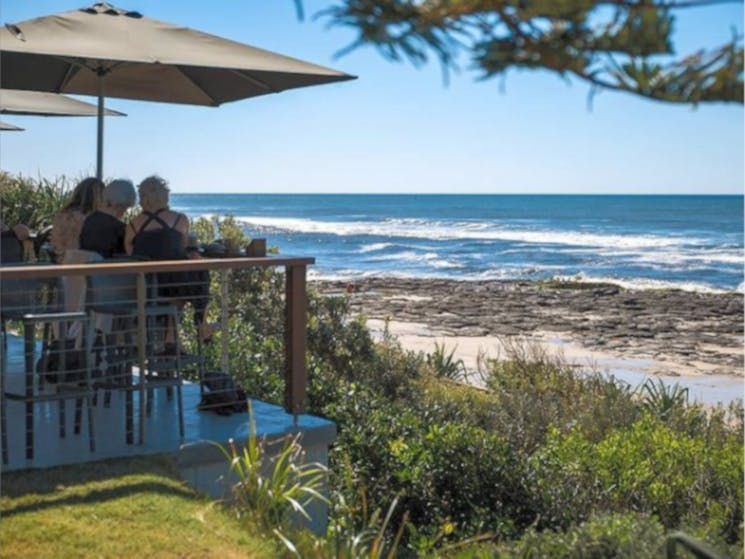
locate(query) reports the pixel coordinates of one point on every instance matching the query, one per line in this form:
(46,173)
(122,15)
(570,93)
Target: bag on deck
(221,395)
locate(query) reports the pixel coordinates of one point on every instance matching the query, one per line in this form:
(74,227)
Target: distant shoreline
(670,332)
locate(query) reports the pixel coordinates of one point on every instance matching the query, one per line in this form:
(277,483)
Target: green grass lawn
(118,508)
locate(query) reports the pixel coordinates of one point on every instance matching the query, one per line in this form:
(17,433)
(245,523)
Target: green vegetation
(444,364)
(273,490)
(33,202)
(119,508)
(543,462)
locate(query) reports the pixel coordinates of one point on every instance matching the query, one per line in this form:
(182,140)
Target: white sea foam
(700,255)
(442,230)
(406,256)
(374,247)
(671,254)
(447,264)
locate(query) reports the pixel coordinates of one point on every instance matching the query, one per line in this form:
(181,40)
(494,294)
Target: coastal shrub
(535,392)
(368,426)
(346,346)
(33,202)
(452,401)
(443,473)
(460,474)
(612,536)
(647,467)
(225,228)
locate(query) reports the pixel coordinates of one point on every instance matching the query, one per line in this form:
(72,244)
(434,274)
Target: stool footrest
(54,317)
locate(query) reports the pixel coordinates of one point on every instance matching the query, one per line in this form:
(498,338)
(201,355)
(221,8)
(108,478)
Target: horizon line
(466,193)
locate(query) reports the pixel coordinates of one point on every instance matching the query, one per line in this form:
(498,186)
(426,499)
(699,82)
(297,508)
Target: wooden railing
(295,302)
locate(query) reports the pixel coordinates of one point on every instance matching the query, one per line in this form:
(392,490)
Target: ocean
(687,242)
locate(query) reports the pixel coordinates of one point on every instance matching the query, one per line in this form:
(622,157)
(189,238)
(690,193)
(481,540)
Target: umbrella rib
(72,70)
(199,87)
(255,81)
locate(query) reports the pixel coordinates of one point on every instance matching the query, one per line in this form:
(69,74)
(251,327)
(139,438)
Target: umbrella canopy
(19,102)
(5,127)
(102,50)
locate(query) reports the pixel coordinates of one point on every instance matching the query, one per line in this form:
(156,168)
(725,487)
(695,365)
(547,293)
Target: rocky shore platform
(680,332)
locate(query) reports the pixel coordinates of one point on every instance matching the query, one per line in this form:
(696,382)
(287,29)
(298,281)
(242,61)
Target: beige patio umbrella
(5,127)
(36,103)
(105,51)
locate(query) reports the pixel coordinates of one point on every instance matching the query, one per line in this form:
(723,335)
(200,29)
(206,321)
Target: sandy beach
(692,338)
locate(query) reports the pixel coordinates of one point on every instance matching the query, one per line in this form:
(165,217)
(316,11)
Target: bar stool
(20,300)
(116,295)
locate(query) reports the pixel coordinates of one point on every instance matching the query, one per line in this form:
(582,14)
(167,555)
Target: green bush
(33,202)
(535,393)
(648,467)
(614,536)
(461,474)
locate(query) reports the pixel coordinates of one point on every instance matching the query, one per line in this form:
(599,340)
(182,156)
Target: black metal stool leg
(3,401)
(180,411)
(62,405)
(91,430)
(78,416)
(28,351)
(4,428)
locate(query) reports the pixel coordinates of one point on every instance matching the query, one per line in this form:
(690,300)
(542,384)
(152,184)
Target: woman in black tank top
(160,234)
(165,242)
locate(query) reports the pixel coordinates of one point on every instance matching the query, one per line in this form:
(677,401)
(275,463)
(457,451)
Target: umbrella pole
(99,139)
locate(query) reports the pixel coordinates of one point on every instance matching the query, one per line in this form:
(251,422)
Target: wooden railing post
(296,308)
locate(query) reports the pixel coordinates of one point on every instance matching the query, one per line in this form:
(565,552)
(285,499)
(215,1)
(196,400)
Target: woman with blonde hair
(159,233)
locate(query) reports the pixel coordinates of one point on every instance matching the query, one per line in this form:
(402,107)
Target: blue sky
(396,128)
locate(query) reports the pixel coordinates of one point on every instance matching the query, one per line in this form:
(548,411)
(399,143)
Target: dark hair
(87,195)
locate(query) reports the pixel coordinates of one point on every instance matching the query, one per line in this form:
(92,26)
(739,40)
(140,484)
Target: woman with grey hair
(103,230)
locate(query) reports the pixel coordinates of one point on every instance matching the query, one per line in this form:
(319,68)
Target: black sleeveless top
(102,233)
(163,243)
(11,249)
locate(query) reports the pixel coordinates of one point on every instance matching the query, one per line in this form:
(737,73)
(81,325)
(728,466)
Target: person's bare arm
(129,235)
(23,233)
(182,226)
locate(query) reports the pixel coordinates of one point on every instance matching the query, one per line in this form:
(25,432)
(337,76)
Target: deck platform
(161,427)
